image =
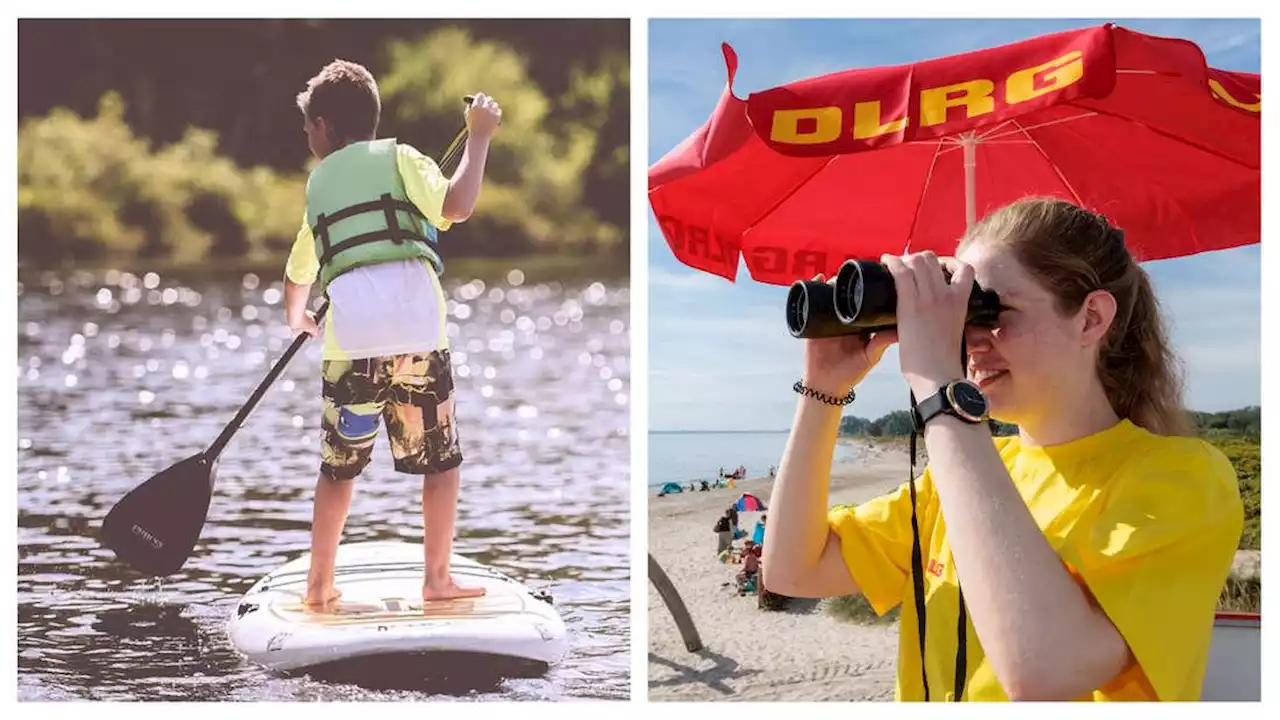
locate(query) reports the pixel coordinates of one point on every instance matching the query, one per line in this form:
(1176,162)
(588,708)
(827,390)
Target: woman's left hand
(931,317)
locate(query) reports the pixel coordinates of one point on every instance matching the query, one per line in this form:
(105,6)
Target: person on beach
(748,577)
(724,534)
(1092,547)
(386,355)
(757,535)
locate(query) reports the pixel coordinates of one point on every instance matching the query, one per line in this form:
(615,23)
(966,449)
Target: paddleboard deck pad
(381,613)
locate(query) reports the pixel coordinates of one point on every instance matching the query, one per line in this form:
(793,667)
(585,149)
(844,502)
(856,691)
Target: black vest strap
(388,205)
(321,231)
(389,212)
(398,236)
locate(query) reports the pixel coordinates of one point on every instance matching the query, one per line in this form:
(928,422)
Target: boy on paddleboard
(374,208)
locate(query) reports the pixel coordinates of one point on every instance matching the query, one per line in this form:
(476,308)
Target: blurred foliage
(548,151)
(89,189)
(169,141)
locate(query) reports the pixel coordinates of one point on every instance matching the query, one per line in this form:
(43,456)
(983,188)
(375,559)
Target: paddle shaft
(218,445)
(454,150)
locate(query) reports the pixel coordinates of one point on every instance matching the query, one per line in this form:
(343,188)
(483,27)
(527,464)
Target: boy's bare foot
(321,597)
(449,590)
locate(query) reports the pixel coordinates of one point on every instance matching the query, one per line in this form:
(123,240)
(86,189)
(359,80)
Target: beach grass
(1245,454)
(1241,594)
(856,609)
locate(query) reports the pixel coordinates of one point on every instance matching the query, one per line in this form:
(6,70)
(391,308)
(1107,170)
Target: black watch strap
(930,407)
(945,401)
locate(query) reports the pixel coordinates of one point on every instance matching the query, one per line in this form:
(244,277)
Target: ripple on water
(160,366)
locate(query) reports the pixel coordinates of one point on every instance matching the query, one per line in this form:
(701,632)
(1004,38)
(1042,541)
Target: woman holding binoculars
(1080,559)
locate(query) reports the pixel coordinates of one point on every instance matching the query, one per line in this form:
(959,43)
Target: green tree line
(179,140)
(1245,422)
(898,424)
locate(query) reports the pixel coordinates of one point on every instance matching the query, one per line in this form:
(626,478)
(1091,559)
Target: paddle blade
(155,527)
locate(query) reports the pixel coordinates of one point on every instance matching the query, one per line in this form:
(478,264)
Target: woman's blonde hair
(1072,252)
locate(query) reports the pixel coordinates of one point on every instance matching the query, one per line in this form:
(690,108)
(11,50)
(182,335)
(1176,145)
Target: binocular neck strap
(917,575)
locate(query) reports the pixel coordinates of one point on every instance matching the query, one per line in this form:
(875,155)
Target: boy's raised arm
(464,187)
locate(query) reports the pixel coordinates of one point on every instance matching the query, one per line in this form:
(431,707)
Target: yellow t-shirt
(1149,524)
(426,188)
(387,309)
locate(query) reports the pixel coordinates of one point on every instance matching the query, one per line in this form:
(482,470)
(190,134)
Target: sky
(720,356)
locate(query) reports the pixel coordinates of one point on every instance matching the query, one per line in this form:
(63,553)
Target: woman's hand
(931,317)
(834,365)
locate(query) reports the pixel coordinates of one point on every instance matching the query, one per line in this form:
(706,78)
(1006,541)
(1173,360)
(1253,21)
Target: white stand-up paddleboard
(381,612)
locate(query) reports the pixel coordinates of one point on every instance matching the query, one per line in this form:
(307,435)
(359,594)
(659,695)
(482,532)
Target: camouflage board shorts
(413,393)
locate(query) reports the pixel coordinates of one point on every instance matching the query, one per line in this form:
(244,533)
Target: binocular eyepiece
(862,300)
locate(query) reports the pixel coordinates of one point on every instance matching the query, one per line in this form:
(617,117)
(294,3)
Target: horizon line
(712,432)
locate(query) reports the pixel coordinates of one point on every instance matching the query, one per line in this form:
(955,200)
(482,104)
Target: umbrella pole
(968,143)
(671,597)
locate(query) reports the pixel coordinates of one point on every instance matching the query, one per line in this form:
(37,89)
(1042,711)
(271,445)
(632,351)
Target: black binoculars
(864,300)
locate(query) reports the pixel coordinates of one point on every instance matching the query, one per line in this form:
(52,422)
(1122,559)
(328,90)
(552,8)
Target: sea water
(691,456)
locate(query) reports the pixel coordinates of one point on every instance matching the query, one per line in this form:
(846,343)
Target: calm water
(681,457)
(120,376)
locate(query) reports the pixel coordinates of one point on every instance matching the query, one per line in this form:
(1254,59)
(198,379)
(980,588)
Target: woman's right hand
(835,365)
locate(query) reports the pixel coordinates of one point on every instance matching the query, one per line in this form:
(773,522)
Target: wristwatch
(958,398)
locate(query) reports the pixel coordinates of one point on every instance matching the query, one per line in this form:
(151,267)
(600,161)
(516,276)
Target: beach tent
(748,503)
(672,488)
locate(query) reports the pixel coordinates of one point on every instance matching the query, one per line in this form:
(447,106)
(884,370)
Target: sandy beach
(801,653)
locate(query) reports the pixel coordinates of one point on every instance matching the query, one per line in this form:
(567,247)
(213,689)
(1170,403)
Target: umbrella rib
(1049,123)
(915,216)
(993,129)
(1076,196)
(1102,113)
(787,196)
(991,135)
(1058,171)
(1190,142)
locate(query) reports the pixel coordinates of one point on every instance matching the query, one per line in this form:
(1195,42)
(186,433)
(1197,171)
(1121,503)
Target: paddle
(155,527)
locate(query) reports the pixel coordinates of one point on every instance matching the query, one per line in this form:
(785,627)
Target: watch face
(968,400)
